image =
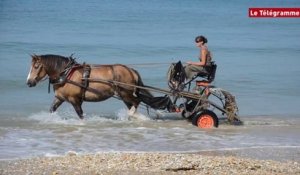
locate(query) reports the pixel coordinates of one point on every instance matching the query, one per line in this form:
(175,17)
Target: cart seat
(208,78)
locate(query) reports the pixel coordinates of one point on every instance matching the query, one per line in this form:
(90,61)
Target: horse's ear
(35,57)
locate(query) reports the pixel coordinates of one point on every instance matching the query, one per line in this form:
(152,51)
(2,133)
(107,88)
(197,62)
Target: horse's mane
(55,62)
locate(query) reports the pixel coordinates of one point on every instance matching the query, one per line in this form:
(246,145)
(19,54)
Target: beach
(269,146)
(146,163)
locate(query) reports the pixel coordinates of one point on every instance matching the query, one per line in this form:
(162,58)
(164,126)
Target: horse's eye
(36,66)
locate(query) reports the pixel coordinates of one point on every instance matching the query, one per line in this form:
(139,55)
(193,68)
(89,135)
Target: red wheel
(205,119)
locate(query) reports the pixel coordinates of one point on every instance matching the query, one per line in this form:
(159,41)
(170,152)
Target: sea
(258,62)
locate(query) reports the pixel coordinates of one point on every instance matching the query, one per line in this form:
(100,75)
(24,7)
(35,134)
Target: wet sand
(146,163)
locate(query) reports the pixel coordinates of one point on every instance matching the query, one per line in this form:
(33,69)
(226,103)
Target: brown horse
(71,81)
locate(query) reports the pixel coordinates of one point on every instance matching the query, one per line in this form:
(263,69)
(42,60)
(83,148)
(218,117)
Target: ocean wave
(270,121)
(69,117)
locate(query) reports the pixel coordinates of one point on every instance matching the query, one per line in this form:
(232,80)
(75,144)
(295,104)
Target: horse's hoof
(131,111)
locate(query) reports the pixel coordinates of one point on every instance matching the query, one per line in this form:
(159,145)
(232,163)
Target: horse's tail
(141,92)
(146,97)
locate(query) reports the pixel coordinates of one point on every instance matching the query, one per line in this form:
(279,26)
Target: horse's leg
(130,102)
(131,108)
(56,103)
(77,106)
(129,105)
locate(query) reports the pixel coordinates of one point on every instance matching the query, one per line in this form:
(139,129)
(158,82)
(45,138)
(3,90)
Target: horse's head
(37,71)
(176,76)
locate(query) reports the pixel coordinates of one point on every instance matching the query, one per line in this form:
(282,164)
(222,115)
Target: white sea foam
(56,118)
(140,117)
(122,114)
(51,155)
(250,147)
(67,117)
(125,115)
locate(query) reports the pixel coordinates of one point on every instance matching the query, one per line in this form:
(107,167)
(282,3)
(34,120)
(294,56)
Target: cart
(194,104)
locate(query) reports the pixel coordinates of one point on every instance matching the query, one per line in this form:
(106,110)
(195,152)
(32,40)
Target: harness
(66,74)
(85,78)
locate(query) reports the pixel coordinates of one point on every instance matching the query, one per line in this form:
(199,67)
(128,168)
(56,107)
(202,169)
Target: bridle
(39,69)
(59,78)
